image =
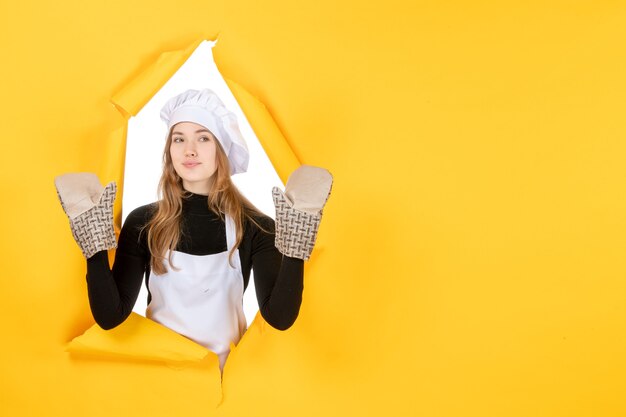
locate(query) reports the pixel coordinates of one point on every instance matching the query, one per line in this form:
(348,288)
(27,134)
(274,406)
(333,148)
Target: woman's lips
(190,164)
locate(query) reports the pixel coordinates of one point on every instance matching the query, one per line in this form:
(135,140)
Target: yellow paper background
(471,254)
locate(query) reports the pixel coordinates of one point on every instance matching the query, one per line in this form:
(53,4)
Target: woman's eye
(201,139)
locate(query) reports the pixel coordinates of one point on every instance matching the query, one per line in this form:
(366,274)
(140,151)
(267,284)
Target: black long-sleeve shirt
(278,279)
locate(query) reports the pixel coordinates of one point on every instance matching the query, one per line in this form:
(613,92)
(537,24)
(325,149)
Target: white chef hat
(205,108)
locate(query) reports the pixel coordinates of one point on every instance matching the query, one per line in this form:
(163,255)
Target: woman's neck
(195,203)
(198,187)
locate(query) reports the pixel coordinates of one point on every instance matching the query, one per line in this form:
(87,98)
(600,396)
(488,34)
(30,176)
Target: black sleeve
(113,293)
(278,279)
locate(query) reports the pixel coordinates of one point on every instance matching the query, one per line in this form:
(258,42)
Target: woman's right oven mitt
(299,210)
(89,207)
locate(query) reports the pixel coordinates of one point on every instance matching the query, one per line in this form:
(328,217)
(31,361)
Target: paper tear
(139,338)
(142,88)
(282,156)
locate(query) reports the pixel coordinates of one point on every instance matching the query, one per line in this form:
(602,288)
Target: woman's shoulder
(258,221)
(131,234)
(142,214)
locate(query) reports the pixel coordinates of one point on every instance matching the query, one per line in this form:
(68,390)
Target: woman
(198,243)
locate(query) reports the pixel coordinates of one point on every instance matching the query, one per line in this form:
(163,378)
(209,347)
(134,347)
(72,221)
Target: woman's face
(193,151)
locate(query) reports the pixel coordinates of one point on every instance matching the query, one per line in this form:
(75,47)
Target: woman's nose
(190,152)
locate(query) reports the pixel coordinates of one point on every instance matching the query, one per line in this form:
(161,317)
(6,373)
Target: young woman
(198,243)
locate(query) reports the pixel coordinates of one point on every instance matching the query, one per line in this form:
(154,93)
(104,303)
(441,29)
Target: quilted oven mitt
(299,210)
(89,206)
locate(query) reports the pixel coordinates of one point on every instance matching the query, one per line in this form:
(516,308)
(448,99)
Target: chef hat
(205,108)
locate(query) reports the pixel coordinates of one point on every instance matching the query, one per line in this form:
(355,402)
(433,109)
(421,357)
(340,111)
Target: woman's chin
(195,185)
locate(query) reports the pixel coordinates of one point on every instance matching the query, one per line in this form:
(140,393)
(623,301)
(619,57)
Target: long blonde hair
(224,198)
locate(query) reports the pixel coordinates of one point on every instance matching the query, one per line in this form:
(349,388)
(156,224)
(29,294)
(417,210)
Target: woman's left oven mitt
(89,206)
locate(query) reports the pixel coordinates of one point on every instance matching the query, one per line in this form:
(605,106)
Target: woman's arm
(278,257)
(113,293)
(278,279)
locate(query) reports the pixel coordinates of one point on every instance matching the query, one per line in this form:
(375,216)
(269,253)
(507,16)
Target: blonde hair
(224,198)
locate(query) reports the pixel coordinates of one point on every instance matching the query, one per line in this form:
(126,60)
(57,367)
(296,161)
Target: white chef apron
(203,301)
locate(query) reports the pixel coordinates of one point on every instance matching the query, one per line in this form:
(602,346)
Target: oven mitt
(89,206)
(299,210)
